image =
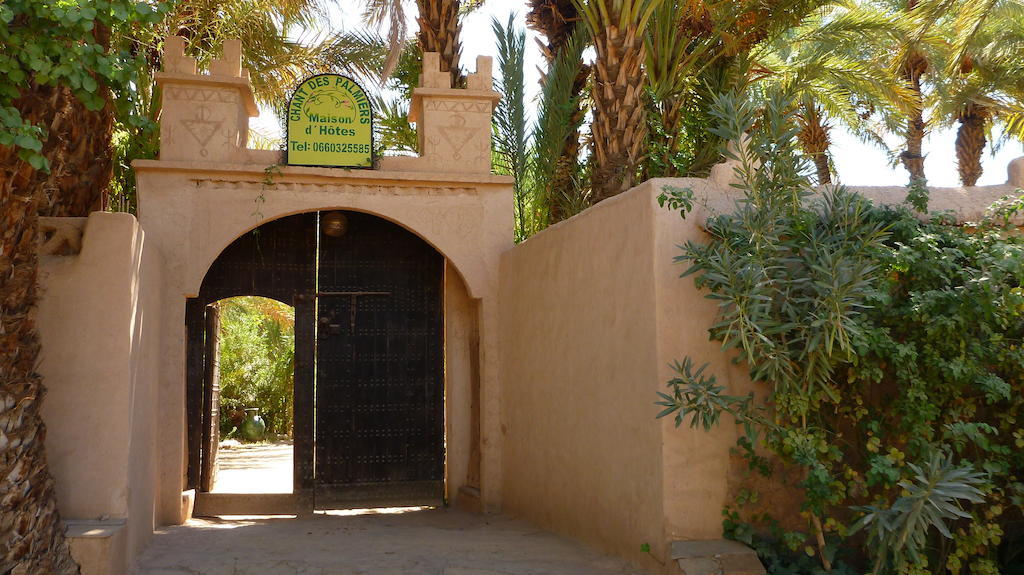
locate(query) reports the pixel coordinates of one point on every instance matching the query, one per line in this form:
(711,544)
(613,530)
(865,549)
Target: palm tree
(830,66)
(914,63)
(619,128)
(80,172)
(511,135)
(696,49)
(983,84)
(966,54)
(439,32)
(75,146)
(559,183)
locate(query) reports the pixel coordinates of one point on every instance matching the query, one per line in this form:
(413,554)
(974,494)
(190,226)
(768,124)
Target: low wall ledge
(715,557)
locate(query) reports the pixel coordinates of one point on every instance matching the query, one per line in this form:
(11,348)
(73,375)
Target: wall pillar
(204,116)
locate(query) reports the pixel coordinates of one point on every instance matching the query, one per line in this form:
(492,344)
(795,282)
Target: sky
(858,164)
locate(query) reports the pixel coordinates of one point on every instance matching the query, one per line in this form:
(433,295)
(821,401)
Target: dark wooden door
(379,399)
(211,400)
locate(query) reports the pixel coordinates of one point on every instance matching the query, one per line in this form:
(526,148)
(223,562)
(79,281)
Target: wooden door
(379,399)
(211,400)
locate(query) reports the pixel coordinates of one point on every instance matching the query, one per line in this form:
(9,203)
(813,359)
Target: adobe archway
(391,427)
(203,193)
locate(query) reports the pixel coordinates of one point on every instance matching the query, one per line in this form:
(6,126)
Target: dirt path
(431,542)
(254,467)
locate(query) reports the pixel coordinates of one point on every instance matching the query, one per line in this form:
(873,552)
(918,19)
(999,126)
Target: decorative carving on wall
(464,220)
(202,127)
(60,236)
(457,106)
(458,136)
(346,189)
(201,95)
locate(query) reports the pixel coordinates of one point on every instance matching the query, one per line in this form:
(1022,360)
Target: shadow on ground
(425,542)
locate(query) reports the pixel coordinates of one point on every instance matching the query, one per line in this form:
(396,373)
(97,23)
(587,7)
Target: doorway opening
(255,364)
(365,425)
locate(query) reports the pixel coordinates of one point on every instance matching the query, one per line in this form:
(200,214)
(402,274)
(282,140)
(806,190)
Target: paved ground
(254,467)
(428,542)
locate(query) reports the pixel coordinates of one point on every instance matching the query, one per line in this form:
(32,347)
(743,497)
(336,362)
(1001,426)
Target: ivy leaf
(89,84)
(28,142)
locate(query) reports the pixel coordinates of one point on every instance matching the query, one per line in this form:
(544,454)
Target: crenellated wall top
(205,117)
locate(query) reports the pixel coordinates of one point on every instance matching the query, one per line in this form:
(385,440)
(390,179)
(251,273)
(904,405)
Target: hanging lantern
(334,224)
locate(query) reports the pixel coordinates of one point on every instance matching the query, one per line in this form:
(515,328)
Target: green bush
(257,359)
(892,348)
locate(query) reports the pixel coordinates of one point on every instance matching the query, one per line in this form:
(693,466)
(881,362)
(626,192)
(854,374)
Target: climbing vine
(891,346)
(61,43)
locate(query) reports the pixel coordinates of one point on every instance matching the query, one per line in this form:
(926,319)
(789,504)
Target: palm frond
(557,120)
(395,135)
(511,140)
(377,13)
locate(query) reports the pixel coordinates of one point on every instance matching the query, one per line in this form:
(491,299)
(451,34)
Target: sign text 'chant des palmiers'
(330,123)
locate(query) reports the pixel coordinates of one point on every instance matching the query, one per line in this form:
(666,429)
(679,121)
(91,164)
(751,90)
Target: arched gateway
(395,381)
(369,358)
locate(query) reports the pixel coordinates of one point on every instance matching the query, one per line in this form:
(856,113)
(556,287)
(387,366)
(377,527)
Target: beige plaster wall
(458,326)
(696,464)
(593,313)
(582,450)
(99,323)
(969,204)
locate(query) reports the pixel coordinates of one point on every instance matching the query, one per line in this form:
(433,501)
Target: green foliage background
(257,359)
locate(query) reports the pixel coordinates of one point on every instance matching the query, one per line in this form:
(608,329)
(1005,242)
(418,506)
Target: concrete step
(99,546)
(715,557)
(217,504)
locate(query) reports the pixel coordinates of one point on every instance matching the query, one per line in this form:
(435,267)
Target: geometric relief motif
(202,95)
(463,220)
(202,127)
(456,106)
(457,135)
(334,188)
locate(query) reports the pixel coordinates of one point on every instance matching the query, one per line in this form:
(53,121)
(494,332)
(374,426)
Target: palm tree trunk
(913,152)
(663,145)
(618,127)
(913,69)
(31,532)
(81,160)
(673,117)
(815,141)
(970,143)
(439,32)
(79,150)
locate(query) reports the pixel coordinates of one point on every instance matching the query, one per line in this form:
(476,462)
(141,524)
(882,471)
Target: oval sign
(330,124)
